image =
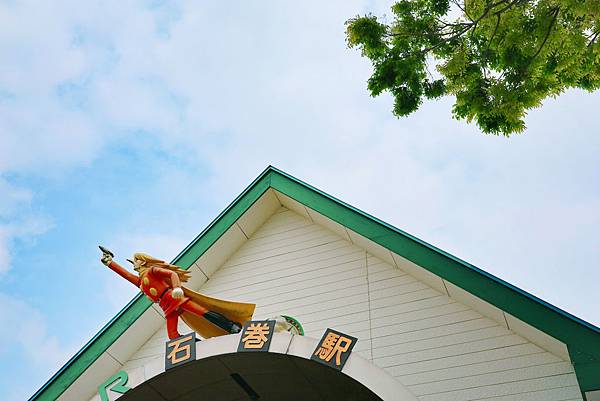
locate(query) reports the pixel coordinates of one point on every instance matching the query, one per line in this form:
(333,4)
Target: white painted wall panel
(440,348)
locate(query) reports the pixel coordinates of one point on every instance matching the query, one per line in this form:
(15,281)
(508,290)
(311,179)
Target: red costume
(156,284)
(160,281)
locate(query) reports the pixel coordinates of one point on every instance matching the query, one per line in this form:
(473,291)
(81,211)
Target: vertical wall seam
(394,259)
(446,288)
(278,200)
(348,235)
(287,350)
(240,227)
(369,303)
(115,358)
(201,270)
(308,214)
(157,311)
(505,320)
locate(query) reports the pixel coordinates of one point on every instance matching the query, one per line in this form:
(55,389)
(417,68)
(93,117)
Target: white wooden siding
(439,348)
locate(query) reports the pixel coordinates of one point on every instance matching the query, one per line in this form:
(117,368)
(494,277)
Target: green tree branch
(498,59)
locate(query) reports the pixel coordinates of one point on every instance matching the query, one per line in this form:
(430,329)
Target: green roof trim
(582,338)
(139,304)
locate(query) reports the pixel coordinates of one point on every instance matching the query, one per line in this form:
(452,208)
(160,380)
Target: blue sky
(134,123)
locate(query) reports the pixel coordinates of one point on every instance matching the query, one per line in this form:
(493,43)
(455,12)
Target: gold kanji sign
(334,349)
(180,350)
(256,336)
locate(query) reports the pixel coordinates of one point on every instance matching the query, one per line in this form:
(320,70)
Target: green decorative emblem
(296,327)
(119,387)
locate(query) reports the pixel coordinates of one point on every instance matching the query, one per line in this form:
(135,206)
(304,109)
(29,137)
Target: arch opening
(251,377)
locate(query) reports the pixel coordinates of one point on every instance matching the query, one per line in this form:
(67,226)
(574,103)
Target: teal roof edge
(582,338)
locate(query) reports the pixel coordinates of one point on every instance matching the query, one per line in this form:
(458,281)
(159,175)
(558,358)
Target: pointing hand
(107,255)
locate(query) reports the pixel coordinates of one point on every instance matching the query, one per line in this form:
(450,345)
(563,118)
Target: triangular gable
(233,225)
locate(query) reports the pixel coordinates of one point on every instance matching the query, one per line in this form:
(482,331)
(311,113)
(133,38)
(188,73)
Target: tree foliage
(499,58)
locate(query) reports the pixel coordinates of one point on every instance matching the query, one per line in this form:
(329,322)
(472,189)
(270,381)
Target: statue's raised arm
(107,260)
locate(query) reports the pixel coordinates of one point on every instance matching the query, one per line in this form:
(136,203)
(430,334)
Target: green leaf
(498,59)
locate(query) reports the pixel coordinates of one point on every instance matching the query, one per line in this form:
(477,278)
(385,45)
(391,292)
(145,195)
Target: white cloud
(4,251)
(17,221)
(19,230)
(231,89)
(275,83)
(24,332)
(162,246)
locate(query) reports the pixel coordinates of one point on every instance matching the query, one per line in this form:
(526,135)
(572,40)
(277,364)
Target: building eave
(581,338)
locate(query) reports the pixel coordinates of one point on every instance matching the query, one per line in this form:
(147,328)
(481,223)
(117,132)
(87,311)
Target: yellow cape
(236,311)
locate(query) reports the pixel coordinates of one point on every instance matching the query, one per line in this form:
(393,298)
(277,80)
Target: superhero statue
(161,283)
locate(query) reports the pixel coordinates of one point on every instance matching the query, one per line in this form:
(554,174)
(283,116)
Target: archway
(249,377)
